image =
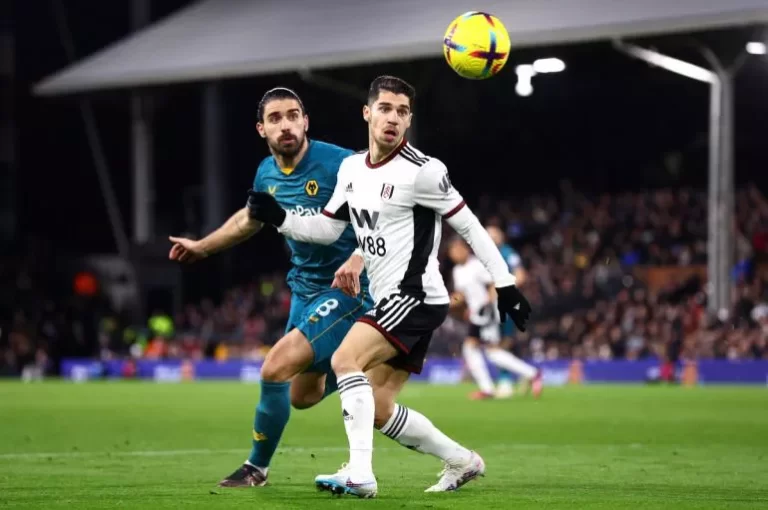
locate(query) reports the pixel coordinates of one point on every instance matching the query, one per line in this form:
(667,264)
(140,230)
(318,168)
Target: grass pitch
(162,446)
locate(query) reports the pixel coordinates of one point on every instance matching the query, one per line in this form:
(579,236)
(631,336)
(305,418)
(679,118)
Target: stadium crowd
(580,252)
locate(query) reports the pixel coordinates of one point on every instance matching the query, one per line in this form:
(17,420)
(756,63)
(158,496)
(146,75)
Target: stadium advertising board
(436,371)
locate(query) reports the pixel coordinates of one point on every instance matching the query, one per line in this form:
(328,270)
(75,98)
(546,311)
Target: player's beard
(288,151)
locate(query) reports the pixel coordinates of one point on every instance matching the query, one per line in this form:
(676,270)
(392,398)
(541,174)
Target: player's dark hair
(275,94)
(391,84)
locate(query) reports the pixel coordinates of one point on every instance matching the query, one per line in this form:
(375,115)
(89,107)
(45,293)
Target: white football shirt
(396,208)
(472,279)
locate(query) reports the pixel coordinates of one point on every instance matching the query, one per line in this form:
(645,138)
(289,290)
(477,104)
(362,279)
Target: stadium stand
(610,277)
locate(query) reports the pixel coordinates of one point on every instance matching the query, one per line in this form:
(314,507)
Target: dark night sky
(606,123)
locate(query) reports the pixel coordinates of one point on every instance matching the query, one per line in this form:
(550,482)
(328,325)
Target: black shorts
(408,324)
(488,334)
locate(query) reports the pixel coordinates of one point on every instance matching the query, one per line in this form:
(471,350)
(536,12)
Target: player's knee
(343,362)
(471,342)
(280,368)
(273,370)
(290,355)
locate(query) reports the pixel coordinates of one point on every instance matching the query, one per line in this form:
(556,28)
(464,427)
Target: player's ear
(260,129)
(366,113)
(408,120)
(306,123)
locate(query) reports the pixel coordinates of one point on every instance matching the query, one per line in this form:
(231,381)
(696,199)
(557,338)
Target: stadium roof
(214,39)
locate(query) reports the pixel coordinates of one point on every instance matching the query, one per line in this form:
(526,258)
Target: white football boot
(346,481)
(454,476)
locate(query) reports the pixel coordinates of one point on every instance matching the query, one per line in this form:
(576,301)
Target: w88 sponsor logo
(373,245)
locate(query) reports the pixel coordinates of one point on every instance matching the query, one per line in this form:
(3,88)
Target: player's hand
(512,302)
(347,277)
(264,207)
(457,300)
(186,250)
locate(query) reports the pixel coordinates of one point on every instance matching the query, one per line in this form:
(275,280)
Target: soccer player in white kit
(473,281)
(531,384)
(396,198)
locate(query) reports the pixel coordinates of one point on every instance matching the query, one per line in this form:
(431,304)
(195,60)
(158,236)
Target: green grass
(159,446)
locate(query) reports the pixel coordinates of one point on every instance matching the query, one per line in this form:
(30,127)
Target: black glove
(512,302)
(264,208)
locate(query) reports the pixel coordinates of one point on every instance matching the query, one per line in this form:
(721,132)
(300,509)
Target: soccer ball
(476,45)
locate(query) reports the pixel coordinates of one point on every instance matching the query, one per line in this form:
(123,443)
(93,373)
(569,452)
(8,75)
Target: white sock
(477,367)
(262,469)
(358,408)
(509,361)
(414,430)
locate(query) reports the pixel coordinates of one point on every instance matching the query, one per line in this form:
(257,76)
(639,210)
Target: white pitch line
(155,453)
(290,449)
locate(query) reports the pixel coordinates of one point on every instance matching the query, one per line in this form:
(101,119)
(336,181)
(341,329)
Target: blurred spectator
(579,252)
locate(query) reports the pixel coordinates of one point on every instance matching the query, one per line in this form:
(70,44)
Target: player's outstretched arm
(235,230)
(320,229)
(433,189)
